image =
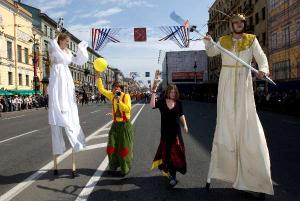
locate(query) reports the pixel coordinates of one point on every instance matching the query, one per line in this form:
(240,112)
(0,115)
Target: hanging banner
(140,34)
(179,34)
(102,36)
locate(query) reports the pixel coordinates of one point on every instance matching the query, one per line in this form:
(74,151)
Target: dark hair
(169,89)
(62,36)
(117,84)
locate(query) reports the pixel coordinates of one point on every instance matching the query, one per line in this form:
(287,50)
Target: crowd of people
(18,102)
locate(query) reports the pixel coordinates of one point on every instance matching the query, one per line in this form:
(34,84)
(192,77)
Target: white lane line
(95,111)
(13,117)
(28,181)
(291,122)
(88,189)
(31,179)
(18,136)
(100,136)
(95,146)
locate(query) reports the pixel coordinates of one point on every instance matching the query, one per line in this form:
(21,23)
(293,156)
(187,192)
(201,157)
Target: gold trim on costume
(243,44)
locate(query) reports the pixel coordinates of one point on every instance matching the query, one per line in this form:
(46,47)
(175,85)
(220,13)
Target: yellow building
(17,38)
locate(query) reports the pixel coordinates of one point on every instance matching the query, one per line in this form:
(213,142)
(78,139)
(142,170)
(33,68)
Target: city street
(26,158)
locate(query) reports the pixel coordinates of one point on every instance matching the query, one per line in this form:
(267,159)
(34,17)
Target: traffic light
(147,74)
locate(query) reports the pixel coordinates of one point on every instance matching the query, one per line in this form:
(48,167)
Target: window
(264,39)
(26,55)
(45,30)
(10,78)
(27,80)
(282,70)
(19,48)
(9,50)
(20,79)
(51,33)
(251,21)
(272,4)
(298,69)
(46,46)
(263,13)
(274,41)
(286,36)
(256,18)
(298,31)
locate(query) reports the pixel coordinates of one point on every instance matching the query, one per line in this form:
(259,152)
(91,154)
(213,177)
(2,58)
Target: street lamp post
(35,61)
(195,70)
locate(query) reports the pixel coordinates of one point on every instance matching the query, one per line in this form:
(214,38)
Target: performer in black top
(170,156)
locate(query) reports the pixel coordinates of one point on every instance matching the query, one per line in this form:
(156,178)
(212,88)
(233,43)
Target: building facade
(184,67)
(218,25)
(83,75)
(284,40)
(19,61)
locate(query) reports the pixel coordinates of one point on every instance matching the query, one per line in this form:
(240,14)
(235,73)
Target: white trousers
(58,143)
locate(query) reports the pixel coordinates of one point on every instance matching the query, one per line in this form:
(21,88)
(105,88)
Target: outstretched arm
(107,93)
(211,49)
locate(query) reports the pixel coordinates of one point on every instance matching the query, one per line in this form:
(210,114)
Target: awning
(5,93)
(24,92)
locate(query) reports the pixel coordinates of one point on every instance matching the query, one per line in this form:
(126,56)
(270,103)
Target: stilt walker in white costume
(239,153)
(63,112)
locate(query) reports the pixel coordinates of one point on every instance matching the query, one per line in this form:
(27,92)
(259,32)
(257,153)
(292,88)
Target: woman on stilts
(63,112)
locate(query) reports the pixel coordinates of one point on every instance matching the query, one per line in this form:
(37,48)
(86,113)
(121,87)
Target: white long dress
(239,153)
(63,111)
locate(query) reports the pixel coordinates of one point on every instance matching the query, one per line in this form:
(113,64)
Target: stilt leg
(262,196)
(55,171)
(74,174)
(207,187)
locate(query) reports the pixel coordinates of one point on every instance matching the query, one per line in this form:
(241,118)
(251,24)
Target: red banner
(186,76)
(140,34)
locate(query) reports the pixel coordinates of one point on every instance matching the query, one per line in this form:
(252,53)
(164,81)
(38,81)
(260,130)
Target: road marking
(100,136)
(95,146)
(95,111)
(88,189)
(18,136)
(13,117)
(291,122)
(32,178)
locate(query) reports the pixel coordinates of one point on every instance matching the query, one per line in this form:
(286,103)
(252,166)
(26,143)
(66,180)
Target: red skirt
(176,157)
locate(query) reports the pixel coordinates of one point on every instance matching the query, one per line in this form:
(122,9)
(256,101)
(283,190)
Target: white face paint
(238,26)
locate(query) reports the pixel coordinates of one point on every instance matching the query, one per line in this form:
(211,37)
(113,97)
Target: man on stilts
(239,153)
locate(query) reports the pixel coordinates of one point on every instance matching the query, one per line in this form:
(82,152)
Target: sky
(128,56)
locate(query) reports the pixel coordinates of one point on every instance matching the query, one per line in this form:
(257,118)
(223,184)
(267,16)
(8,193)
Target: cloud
(102,13)
(129,3)
(57,14)
(46,5)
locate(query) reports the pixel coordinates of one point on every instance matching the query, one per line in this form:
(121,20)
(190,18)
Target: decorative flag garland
(101,36)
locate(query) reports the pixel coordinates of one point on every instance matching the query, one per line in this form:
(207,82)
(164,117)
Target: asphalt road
(30,155)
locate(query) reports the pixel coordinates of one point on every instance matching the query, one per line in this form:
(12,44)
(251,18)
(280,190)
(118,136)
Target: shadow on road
(282,135)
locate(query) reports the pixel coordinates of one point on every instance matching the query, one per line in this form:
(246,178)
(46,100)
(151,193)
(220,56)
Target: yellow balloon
(100,64)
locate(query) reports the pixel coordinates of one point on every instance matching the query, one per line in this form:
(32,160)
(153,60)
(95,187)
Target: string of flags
(100,37)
